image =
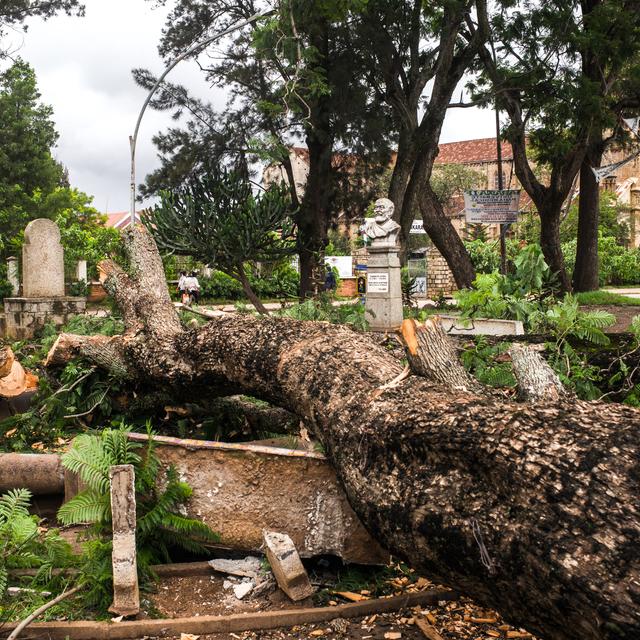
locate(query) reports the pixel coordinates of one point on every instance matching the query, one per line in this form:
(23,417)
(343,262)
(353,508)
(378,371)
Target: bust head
(383,208)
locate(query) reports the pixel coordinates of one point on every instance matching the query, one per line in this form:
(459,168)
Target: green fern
(23,546)
(159,526)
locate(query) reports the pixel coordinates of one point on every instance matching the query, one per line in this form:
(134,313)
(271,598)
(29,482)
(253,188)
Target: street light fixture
(193,49)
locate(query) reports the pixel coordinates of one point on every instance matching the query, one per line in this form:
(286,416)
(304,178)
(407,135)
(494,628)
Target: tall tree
(408,45)
(27,137)
(289,79)
(218,220)
(610,63)
(552,67)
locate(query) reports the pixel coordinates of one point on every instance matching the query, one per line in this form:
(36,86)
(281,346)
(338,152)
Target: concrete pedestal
(383,309)
(24,316)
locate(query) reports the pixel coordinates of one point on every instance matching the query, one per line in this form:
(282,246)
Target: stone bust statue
(382,230)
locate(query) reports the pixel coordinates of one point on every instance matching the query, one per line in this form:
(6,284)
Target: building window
(609,183)
(496,185)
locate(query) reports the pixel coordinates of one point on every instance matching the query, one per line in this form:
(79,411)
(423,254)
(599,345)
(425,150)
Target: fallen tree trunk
(530,509)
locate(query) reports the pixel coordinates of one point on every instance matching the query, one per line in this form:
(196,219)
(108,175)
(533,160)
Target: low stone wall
(440,280)
(24,316)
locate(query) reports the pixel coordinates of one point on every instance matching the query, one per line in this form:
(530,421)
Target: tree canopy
(14,13)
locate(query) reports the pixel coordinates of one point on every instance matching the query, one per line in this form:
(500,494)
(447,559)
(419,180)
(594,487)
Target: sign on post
(417,226)
(378,283)
(489,206)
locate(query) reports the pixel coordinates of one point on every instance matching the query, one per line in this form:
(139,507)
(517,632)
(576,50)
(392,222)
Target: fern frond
(14,502)
(87,507)
(90,460)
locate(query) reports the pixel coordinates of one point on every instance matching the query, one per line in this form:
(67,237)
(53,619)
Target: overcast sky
(83,66)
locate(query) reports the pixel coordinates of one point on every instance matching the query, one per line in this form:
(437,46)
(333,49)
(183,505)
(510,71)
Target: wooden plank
(202,625)
(428,631)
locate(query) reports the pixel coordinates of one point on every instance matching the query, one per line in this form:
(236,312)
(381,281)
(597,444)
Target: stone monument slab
(42,260)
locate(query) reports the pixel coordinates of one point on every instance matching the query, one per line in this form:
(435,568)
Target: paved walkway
(630,292)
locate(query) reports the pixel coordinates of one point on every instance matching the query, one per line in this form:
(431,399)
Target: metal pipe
(196,47)
(41,473)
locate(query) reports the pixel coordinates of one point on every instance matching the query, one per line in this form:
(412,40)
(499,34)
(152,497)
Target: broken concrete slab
(249,566)
(241,489)
(455,325)
(286,565)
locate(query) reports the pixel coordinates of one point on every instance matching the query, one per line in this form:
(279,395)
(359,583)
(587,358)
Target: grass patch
(602,297)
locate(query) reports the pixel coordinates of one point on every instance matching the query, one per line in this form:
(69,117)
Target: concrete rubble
(286,565)
(249,566)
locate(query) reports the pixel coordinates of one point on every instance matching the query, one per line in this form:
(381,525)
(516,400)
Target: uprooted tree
(532,508)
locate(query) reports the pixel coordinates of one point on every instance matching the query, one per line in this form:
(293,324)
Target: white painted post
(81,270)
(126,598)
(12,275)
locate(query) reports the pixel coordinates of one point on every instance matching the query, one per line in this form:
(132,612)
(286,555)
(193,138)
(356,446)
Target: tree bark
(550,241)
(532,509)
(446,239)
(537,381)
(249,292)
(586,273)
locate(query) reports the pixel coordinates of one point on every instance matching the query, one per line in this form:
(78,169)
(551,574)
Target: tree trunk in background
(313,220)
(446,239)
(550,243)
(402,169)
(586,270)
(313,217)
(532,509)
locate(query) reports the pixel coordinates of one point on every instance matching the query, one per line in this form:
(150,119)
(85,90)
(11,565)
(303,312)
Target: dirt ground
(624,315)
(205,595)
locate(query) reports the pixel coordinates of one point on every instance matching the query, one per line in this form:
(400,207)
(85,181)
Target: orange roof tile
(470,151)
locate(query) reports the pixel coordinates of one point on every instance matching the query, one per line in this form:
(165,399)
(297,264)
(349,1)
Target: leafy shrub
(625,268)
(220,286)
(617,265)
(515,296)
(281,281)
(485,256)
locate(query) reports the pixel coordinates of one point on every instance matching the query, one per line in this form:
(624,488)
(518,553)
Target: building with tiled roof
(478,151)
(120,220)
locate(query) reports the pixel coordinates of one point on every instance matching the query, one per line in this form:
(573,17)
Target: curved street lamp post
(196,47)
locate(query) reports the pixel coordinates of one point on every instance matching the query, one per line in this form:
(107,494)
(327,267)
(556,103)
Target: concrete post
(384,289)
(126,598)
(12,275)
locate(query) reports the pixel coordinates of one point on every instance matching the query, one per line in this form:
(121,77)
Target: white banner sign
(378,283)
(342,263)
(490,206)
